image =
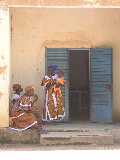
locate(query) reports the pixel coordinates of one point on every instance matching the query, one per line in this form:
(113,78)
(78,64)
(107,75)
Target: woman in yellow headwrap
(24,114)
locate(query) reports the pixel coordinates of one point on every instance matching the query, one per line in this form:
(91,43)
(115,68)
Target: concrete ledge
(114,132)
(10,136)
(76,137)
(70,136)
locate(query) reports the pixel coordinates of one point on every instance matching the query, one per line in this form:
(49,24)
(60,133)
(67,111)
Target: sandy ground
(59,152)
(38,147)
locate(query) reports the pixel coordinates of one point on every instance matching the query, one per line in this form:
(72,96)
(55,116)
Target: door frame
(66,50)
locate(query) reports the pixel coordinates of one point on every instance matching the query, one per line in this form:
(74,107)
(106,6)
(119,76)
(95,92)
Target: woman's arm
(36,98)
(13,101)
(50,84)
(59,85)
(30,111)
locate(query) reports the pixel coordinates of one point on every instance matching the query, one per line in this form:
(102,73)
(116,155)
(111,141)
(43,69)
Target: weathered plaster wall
(36,44)
(4,68)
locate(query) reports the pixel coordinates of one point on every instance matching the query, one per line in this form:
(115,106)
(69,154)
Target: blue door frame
(100,80)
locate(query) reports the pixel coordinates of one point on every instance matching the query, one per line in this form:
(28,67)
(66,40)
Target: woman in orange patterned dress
(24,114)
(53,106)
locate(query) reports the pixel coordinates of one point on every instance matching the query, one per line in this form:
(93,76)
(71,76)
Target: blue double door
(100,85)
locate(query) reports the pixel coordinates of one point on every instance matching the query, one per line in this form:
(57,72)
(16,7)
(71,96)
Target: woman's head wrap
(54,67)
(28,88)
(15,87)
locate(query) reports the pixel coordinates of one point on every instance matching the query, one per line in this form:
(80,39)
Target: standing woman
(24,114)
(53,106)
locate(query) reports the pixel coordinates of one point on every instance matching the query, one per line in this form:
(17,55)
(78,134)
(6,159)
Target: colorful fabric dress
(59,80)
(16,96)
(20,119)
(53,106)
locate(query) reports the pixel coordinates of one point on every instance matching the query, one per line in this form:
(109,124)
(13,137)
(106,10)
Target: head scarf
(15,87)
(54,67)
(28,88)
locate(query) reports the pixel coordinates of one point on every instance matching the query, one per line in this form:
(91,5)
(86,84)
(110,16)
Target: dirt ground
(59,152)
(38,147)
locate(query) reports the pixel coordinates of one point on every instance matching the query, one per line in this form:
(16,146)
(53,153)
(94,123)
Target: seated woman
(24,114)
(17,88)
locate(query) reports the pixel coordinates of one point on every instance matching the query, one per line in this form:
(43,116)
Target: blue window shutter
(101,85)
(59,56)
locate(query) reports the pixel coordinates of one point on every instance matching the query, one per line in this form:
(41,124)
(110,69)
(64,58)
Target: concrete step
(10,136)
(76,138)
(59,137)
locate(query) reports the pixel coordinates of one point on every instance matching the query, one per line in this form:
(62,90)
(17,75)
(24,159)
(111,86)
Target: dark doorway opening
(79,92)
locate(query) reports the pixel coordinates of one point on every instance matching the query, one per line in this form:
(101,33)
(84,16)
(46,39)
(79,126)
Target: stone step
(62,137)
(10,136)
(76,138)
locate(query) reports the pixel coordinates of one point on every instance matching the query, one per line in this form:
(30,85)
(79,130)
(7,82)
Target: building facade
(27,28)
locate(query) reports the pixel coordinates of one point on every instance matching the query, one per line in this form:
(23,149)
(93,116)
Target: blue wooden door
(101,85)
(59,56)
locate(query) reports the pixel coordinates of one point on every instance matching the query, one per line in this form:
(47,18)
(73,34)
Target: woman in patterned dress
(53,106)
(24,114)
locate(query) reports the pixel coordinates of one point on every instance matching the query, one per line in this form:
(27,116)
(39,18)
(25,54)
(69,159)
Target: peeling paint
(0,20)
(3,69)
(1,94)
(60,43)
(2,56)
(4,5)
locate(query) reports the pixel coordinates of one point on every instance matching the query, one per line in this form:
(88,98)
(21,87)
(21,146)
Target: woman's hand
(54,83)
(49,84)
(35,96)
(58,85)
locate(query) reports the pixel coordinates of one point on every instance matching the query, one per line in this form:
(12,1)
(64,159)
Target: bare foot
(43,132)
(43,122)
(39,123)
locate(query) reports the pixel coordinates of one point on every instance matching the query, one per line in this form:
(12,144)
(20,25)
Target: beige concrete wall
(64,31)
(33,29)
(4,69)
